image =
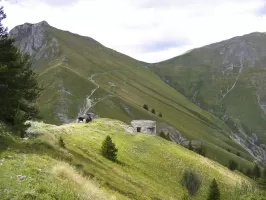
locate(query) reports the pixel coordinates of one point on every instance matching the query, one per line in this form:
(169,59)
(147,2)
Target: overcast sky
(149,30)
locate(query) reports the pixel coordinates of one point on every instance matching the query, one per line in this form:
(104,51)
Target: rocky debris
(21,177)
(64,59)
(174,135)
(30,133)
(127,110)
(127,128)
(196,144)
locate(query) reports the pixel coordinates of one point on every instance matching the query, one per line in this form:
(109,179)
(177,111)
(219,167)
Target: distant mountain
(227,79)
(80,74)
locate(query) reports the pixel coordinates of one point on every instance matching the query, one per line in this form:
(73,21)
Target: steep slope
(30,168)
(80,74)
(228,80)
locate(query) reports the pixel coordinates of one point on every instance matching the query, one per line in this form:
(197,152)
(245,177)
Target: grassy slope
(123,91)
(201,75)
(147,164)
(241,103)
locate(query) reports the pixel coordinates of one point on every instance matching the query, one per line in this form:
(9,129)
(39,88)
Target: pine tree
(145,106)
(153,111)
(232,165)
(249,172)
(214,193)
(61,142)
(108,149)
(256,173)
(18,83)
(192,182)
(263,178)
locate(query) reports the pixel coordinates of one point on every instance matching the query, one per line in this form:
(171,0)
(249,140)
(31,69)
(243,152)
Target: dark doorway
(138,129)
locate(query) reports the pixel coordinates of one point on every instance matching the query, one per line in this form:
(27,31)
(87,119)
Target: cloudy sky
(149,30)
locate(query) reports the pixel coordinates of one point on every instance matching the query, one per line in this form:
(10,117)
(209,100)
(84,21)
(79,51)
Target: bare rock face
(174,135)
(34,40)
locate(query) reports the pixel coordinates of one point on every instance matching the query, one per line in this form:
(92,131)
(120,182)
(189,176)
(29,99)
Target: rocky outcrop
(34,40)
(172,133)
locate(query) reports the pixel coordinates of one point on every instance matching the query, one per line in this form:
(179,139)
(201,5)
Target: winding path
(89,104)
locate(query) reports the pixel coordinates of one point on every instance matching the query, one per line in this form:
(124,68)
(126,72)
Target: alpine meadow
(79,120)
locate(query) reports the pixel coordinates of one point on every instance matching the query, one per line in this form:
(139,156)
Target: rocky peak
(34,40)
(30,38)
(242,51)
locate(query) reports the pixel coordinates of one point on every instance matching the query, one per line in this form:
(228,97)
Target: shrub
(190,146)
(192,182)
(61,142)
(153,111)
(160,114)
(263,178)
(108,149)
(232,165)
(256,173)
(238,154)
(214,193)
(248,172)
(145,106)
(200,150)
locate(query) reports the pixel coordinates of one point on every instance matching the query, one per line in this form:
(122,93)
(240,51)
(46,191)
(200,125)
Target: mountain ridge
(227,80)
(68,65)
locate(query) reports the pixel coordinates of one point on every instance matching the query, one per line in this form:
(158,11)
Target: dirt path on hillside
(89,102)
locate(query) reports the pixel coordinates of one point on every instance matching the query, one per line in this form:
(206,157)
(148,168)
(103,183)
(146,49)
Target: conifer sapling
(108,149)
(214,193)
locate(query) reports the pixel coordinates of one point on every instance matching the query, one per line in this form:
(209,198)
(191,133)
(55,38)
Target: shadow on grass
(7,142)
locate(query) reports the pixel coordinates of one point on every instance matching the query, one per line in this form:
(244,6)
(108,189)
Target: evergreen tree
(263,178)
(264,173)
(232,165)
(214,193)
(61,142)
(200,150)
(108,149)
(160,114)
(153,111)
(18,83)
(249,172)
(256,173)
(191,181)
(145,106)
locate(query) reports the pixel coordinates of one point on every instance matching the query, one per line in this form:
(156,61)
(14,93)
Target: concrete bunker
(144,126)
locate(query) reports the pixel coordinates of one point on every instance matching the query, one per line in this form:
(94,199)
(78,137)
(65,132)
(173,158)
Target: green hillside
(226,79)
(149,167)
(80,74)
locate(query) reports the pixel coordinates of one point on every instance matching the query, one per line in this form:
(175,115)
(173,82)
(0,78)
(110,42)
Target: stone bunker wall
(144,126)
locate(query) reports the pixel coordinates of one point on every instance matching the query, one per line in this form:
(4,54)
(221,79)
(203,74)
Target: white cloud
(134,27)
